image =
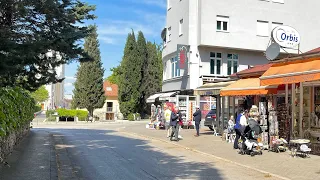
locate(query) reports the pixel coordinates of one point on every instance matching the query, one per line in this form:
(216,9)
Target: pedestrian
(241,123)
(180,122)
(174,118)
(167,114)
(197,119)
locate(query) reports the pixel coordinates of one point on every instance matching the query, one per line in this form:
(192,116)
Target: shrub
(81,114)
(16,109)
(133,116)
(38,108)
(50,112)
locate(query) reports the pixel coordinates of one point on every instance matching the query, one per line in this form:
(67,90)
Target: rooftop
(111,90)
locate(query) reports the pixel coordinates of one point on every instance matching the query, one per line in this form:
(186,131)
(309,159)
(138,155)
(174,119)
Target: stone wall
(7,143)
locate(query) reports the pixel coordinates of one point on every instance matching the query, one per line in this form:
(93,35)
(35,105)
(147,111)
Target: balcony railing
(109,109)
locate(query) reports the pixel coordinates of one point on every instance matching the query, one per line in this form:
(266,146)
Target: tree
(143,64)
(40,95)
(29,29)
(153,72)
(130,77)
(114,77)
(89,92)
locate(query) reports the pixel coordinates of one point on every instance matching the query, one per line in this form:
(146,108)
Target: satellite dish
(273,51)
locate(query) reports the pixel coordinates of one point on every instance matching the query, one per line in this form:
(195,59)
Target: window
(215,63)
(262,28)
(109,89)
(169,34)
(278,1)
(181,27)
(232,63)
(275,24)
(175,70)
(223,23)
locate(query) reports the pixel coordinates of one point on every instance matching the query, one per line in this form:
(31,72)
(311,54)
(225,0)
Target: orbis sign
(286,36)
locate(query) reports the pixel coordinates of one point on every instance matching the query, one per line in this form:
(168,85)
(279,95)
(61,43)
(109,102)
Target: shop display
(283,120)
(306,108)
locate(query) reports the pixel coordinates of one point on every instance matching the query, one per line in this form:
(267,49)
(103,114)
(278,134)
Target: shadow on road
(102,154)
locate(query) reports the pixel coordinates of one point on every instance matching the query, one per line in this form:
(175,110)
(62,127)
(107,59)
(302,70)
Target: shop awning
(245,87)
(166,96)
(153,98)
(291,72)
(211,88)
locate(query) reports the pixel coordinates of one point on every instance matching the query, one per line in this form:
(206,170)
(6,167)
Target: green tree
(29,29)
(40,95)
(153,73)
(142,62)
(114,77)
(89,92)
(130,77)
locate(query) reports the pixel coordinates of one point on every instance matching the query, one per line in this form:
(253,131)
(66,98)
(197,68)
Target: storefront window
(206,104)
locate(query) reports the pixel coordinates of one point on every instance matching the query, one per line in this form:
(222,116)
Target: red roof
(256,70)
(316,50)
(110,89)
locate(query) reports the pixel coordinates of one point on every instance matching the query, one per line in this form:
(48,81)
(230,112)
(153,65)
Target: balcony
(109,109)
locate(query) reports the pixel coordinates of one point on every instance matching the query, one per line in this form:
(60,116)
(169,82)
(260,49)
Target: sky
(117,18)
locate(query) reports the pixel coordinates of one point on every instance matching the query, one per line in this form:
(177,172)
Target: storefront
(253,95)
(300,76)
(208,96)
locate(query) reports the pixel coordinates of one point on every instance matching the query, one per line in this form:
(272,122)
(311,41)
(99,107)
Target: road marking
(205,154)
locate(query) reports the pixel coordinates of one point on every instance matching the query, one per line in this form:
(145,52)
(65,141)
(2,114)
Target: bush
(50,113)
(133,116)
(38,108)
(81,114)
(17,109)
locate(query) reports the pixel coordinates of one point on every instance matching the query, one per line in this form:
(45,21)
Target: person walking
(167,115)
(241,123)
(197,119)
(174,118)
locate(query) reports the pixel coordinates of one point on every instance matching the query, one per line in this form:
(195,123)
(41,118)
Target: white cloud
(69,84)
(123,28)
(107,40)
(159,3)
(71,78)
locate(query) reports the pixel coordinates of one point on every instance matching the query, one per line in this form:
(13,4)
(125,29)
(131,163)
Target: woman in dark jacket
(174,118)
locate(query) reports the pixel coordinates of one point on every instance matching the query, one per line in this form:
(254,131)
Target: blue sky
(115,20)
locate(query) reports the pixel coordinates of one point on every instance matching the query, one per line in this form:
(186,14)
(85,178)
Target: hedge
(81,114)
(17,109)
(133,116)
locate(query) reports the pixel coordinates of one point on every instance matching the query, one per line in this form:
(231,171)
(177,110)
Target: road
(106,153)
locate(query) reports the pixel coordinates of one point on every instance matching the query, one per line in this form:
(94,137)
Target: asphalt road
(104,153)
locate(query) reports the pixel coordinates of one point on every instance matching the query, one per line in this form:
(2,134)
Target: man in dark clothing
(239,129)
(197,119)
(174,118)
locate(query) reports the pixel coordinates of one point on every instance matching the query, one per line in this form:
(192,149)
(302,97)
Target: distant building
(56,91)
(110,110)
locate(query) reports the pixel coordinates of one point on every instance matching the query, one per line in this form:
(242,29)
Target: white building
(56,91)
(227,36)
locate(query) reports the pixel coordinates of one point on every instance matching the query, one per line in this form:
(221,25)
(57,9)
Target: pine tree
(130,77)
(142,61)
(29,29)
(89,92)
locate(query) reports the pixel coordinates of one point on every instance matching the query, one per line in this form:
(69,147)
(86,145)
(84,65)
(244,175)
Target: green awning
(211,88)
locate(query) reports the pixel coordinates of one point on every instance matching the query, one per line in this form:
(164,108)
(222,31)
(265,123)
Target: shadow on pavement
(102,154)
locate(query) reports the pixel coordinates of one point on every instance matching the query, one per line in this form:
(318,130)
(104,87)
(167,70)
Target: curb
(206,154)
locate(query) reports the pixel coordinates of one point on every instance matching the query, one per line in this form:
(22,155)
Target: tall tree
(29,29)
(40,95)
(153,73)
(89,92)
(130,77)
(142,61)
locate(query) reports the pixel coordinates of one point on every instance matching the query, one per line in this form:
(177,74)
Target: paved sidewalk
(33,159)
(280,164)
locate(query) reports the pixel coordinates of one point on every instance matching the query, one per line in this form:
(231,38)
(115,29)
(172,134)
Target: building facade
(227,36)
(56,91)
